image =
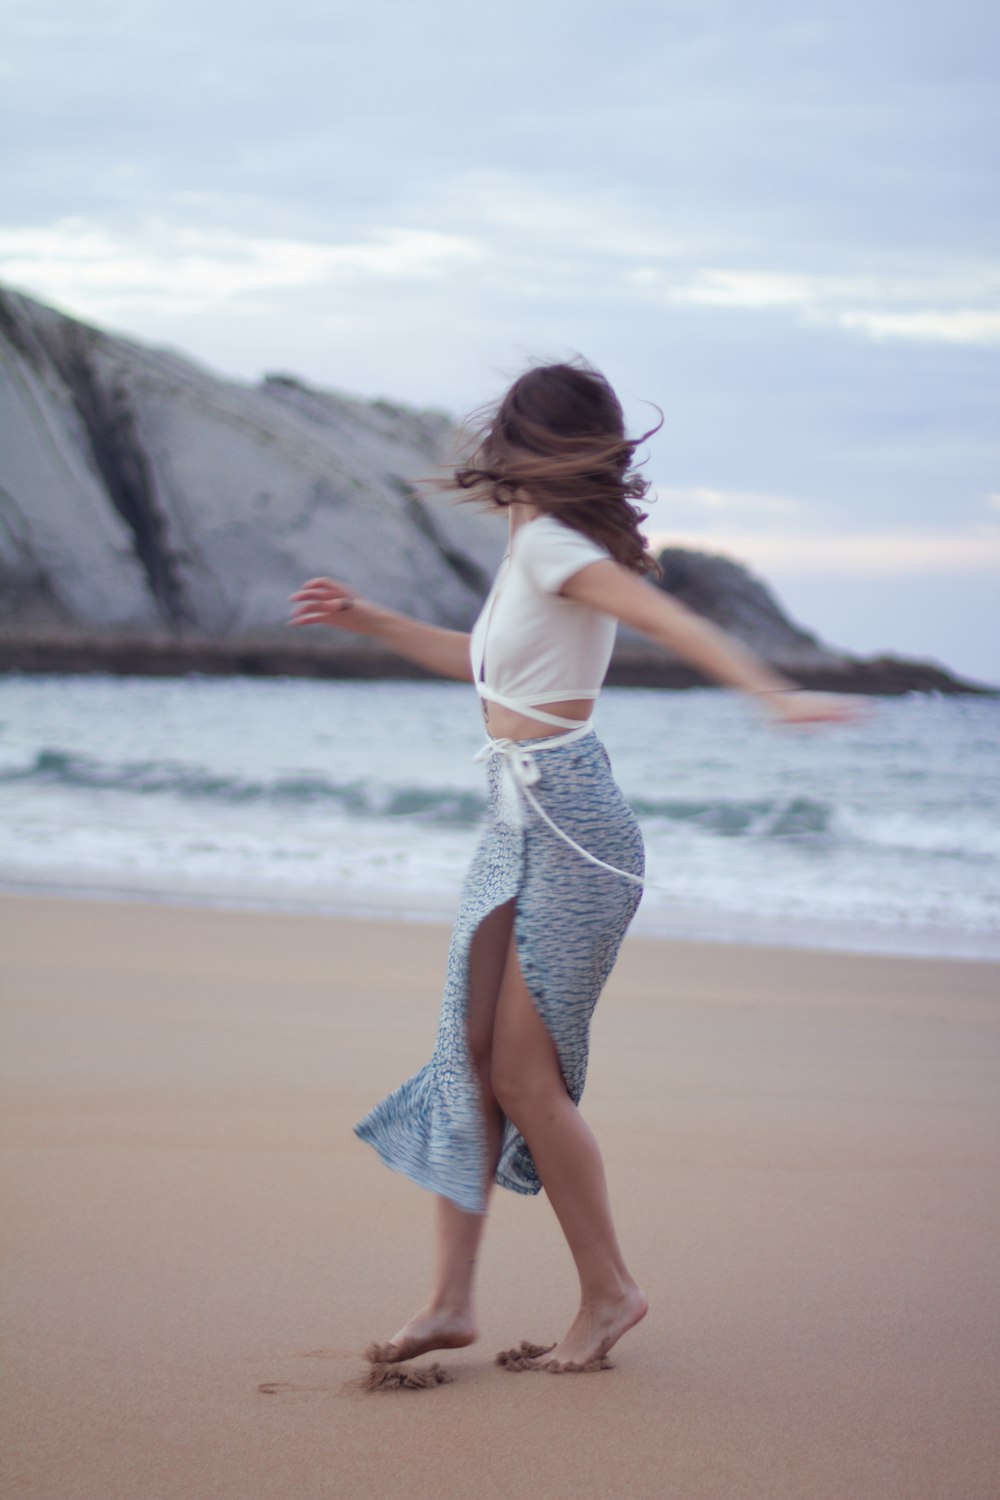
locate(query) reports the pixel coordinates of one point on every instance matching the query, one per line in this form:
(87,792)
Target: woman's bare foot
(433,1328)
(595,1330)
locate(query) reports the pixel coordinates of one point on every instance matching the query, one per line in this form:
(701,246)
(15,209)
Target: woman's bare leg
(449,1319)
(529,1086)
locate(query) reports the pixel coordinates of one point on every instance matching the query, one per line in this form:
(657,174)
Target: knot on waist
(518,757)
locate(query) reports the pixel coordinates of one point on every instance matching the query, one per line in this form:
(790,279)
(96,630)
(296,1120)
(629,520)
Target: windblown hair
(557,440)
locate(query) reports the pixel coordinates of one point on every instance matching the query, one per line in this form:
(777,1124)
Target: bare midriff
(504,724)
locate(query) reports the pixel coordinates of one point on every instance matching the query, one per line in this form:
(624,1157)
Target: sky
(776,221)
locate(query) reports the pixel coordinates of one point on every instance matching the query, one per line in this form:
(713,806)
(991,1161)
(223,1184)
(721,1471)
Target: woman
(558,874)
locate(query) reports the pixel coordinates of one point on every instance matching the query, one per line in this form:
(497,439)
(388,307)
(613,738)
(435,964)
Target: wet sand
(802,1149)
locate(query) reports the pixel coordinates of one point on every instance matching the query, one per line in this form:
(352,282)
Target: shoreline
(435,930)
(802,1150)
(715,929)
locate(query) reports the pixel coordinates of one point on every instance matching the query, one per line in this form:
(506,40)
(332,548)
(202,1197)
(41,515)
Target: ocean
(364,798)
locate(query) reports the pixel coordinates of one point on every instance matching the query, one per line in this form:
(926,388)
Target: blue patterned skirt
(570,918)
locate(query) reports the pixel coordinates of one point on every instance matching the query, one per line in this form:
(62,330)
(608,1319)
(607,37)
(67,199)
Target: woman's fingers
(322,601)
(322,588)
(309,613)
(818,708)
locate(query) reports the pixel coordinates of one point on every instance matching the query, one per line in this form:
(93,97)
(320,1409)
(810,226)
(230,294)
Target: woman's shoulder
(547,534)
(551,551)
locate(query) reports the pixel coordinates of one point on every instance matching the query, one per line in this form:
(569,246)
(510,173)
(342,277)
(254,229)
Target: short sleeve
(551,552)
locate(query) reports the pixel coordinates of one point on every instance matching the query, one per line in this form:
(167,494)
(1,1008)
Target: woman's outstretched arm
(323,601)
(610,587)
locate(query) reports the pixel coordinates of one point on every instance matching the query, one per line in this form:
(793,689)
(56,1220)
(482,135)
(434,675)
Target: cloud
(175,268)
(955,304)
(965,325)
(744,501)
(886,554)
(513,239)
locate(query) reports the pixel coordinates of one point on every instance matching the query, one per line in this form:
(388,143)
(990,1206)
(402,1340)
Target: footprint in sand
(288,1391)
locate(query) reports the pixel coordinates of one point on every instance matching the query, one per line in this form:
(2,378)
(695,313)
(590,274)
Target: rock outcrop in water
(155,518)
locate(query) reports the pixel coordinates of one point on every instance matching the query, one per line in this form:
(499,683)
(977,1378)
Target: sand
(802,1149)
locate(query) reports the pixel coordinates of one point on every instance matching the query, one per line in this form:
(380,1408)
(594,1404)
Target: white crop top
(531,645)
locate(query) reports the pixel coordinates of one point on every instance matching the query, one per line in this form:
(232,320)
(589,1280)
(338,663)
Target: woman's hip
(565,796)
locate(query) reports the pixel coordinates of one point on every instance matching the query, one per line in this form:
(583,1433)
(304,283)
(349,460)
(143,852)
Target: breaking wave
(794,818)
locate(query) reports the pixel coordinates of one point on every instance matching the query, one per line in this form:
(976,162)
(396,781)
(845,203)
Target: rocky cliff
(140,492)
(154,517)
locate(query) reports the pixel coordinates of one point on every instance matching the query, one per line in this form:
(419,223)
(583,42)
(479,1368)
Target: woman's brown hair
(558,437)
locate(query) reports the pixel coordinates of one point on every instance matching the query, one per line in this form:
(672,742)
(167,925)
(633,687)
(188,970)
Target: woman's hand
(324,601)
(796,706)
